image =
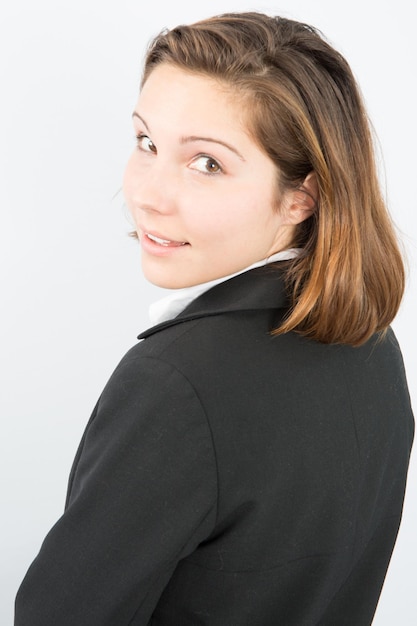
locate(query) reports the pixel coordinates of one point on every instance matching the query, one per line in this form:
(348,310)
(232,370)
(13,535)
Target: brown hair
(306,113)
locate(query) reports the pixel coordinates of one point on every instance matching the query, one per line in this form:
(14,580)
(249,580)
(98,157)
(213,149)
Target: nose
(150,188)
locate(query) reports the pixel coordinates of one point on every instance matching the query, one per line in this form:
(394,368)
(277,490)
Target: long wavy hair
(304,109)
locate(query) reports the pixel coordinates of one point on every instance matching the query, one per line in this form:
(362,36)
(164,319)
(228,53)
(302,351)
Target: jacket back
(227,476)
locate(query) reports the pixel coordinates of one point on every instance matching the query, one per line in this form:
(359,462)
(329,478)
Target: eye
(145,144)
(206,165)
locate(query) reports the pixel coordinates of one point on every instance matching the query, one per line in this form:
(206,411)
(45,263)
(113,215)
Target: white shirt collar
(170,306)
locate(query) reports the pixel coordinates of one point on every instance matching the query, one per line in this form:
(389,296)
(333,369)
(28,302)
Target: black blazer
(230,478)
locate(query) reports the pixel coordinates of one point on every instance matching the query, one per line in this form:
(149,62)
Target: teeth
(162,242)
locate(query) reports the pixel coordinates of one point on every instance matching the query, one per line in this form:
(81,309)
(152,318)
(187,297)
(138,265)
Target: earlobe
(304,200)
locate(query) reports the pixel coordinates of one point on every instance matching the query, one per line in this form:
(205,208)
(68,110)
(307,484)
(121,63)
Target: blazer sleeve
(142,495)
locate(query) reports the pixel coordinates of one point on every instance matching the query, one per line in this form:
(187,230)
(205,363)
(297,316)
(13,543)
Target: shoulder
(242,340)
(148,418)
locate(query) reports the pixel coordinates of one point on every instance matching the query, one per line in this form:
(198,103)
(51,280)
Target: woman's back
(259,479)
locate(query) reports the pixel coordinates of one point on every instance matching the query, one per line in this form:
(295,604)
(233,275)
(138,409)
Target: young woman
(246,462)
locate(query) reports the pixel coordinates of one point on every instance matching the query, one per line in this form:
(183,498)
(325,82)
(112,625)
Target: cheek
(228,211)
(213,218)
(248,210)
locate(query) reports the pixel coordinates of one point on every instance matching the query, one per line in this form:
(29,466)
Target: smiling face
(202,194)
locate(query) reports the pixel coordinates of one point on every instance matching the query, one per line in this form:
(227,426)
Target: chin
(171,276)
(166,280)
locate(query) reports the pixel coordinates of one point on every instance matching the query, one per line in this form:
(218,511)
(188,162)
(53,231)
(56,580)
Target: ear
(303,201)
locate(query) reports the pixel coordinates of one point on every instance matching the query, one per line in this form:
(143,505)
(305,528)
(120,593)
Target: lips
(158,245)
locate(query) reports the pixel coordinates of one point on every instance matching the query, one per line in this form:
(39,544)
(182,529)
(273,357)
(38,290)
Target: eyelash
(199,156)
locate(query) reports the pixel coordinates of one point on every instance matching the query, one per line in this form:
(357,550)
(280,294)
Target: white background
(73,299)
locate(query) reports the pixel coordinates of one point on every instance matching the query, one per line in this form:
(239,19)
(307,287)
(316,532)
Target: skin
(202,194)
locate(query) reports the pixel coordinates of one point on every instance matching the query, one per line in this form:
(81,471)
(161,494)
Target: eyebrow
(194,138)
(135,114)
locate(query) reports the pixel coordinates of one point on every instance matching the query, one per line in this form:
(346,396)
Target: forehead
(189,97)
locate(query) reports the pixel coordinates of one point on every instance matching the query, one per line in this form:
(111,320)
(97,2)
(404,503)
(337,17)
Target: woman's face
(200,191)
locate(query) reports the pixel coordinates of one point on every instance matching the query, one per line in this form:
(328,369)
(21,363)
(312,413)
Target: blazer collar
(260,288)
